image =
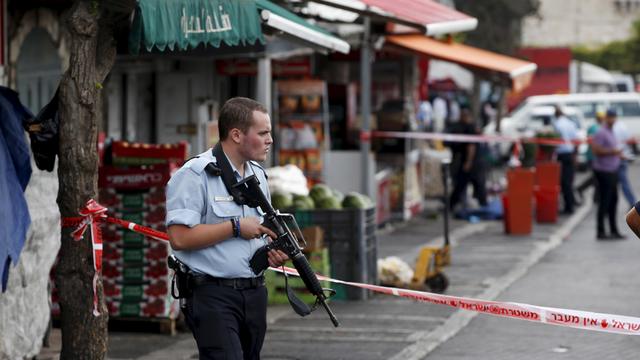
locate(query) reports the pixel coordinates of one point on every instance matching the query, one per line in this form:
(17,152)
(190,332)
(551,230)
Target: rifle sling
(230,181)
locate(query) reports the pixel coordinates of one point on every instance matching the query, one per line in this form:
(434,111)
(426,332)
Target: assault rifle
(287,241)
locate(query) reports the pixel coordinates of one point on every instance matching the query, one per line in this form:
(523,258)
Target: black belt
(237,283)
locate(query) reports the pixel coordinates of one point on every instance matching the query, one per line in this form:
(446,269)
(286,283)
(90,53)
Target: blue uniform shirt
(568,132)
(195,197)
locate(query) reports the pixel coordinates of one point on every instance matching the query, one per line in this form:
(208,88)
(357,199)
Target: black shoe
(602,236)
(617,236)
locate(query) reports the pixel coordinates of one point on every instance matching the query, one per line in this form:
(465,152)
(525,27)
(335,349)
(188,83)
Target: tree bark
(92,50)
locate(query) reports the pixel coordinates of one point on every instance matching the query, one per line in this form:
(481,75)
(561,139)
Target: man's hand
(250,228)
(277,258)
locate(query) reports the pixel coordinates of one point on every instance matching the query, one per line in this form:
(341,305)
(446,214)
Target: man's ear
(235,134)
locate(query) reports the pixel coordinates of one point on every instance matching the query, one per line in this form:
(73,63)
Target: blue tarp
(492,211)
(15,172)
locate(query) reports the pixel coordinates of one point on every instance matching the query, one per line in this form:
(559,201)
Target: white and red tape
(94,213)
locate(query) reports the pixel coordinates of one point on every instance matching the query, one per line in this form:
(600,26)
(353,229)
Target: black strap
(230,181)
(228,178)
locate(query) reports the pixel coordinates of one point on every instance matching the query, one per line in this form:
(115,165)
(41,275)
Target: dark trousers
(461,179)
(588,182)
(567,173)
(227,323)
(607,183)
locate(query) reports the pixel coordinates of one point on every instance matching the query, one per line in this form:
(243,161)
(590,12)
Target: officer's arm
(186,204)
(183,237)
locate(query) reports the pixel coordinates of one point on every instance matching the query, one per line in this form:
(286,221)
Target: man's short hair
(237,113)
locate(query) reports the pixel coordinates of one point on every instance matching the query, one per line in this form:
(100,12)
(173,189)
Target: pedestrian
(566,154)
(606,162)
(439,113)
(424,116)
(622,134)
(467,165)
(215,237)
(591,179)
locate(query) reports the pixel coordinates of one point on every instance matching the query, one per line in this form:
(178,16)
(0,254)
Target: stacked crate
(136,278)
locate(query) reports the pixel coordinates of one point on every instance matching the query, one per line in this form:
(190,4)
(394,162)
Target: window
(626,108)
(588,109)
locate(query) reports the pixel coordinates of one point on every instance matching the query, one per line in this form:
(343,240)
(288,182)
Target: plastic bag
(44,134)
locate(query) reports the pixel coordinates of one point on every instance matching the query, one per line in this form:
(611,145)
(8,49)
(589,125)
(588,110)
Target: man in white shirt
(566,156)
(621,134)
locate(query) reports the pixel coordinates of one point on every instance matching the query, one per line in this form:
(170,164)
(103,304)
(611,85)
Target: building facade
(580,22)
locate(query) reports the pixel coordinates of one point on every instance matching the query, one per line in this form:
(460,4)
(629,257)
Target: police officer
(215,237)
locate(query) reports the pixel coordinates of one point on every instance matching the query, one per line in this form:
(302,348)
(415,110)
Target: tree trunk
(84,336)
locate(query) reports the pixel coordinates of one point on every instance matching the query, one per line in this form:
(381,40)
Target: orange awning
(518,72)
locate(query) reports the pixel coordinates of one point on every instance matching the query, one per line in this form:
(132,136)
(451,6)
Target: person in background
(591,179)
(621,132)
(566,156)
(439,113)
(467,164)
(424,116)
(606,162)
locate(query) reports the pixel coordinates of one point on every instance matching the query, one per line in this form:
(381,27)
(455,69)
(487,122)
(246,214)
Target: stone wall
(580,22)
(24,306)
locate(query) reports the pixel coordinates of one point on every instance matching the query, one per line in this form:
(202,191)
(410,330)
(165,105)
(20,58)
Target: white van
(627,106)
(536,118)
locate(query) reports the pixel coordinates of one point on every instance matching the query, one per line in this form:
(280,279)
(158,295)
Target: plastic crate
(275,282)
(350,236)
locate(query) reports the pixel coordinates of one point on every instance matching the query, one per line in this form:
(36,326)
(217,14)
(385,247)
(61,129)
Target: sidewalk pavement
(484,262)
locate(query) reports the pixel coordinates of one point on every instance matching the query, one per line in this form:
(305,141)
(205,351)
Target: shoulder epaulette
(197,164)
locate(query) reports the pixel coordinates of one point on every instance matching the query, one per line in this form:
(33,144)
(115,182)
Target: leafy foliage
(499,22)
(622,55)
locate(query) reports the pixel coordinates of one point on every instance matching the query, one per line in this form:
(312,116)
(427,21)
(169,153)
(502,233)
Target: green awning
(185,24)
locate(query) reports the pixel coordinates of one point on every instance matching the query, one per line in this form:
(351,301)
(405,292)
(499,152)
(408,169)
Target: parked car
(626,104)
(534,119)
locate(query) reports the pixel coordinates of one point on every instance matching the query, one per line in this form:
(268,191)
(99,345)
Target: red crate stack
(135,273)
(136,278)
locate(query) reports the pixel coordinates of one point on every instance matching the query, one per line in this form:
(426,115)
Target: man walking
(215,237)
(606,163)
(566,156)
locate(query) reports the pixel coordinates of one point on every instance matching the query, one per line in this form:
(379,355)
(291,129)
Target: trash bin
(519,201)
(505,218)
(548,174)
(547,204)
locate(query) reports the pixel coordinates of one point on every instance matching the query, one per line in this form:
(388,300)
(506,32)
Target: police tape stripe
(617,324)
(478,138)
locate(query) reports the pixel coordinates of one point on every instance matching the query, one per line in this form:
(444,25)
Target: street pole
(365,106)
(445,182)
(263,93)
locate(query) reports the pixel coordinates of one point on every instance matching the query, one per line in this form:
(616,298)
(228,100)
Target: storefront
(191,62)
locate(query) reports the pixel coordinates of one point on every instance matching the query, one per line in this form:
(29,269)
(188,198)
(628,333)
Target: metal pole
(365,106)
(445,180)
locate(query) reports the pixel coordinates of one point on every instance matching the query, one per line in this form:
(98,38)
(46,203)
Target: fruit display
(320,197)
